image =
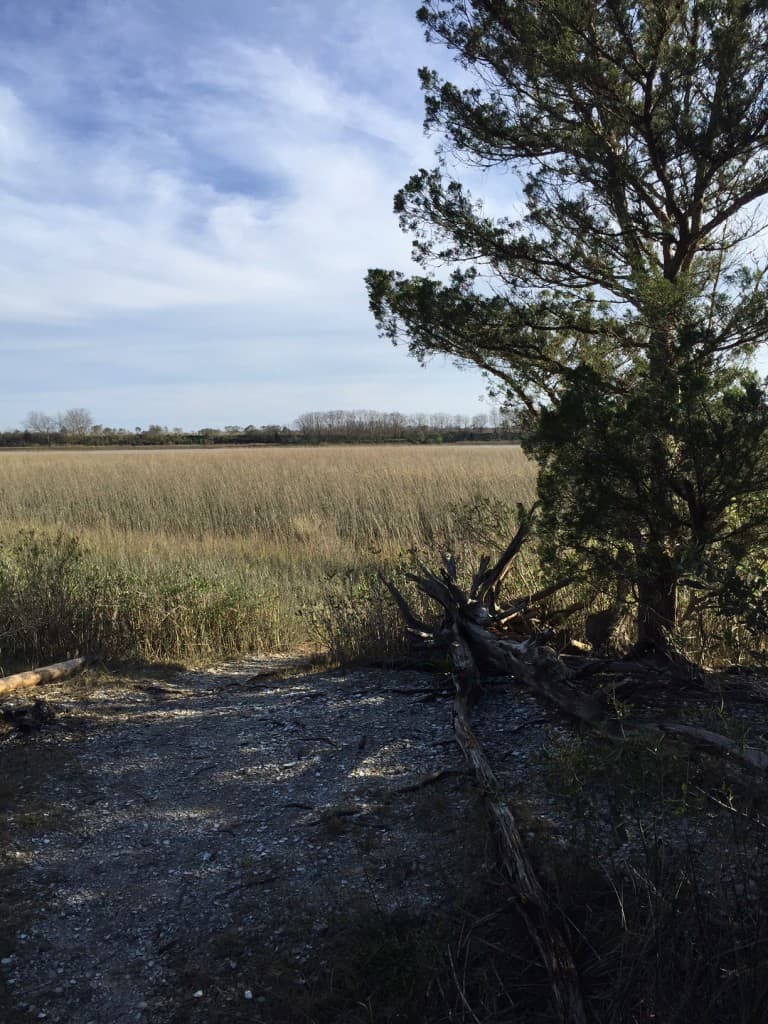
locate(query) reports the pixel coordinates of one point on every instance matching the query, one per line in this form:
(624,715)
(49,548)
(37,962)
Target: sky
(191,193)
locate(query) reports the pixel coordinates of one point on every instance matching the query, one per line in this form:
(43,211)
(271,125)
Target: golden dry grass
(201,554)
(268,493)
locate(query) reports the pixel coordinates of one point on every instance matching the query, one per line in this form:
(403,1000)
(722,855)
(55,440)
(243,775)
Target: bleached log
(48,674)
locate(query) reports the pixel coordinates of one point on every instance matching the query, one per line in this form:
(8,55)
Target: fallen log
(540,917)
(49,674)
(468,630)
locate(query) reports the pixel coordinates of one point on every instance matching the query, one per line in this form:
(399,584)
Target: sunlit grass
(198,555)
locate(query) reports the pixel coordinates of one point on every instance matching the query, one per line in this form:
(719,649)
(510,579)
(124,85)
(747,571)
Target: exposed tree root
(468,630)
(485,643)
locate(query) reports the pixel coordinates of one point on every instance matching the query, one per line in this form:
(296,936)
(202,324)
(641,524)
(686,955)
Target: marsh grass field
(192,556)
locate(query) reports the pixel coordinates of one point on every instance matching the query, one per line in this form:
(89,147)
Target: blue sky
(192,191)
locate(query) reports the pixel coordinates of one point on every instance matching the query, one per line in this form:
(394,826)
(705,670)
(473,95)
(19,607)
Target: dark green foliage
(620,304)
(713,473)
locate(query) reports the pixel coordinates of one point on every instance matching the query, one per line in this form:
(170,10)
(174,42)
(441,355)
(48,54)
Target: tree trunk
(656,613)
(657,585)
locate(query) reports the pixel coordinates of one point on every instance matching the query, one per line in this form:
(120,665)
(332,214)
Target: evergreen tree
(623,306)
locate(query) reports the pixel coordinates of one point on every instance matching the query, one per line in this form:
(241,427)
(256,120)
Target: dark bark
(541,918)
(468,630)
(658,580)
(656,613)
(479,651)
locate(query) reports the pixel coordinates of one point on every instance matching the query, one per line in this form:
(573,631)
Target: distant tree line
(358,425)
(338,426)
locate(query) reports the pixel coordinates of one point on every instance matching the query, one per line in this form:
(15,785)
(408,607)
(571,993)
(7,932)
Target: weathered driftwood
(470,624)
(470,629)
(464,624)
(541,919)
(49,674)
(541,671)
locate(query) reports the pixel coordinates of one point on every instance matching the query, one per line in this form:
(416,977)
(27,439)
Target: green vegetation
(76,428)
(619,303)
(620,300)
(194,556)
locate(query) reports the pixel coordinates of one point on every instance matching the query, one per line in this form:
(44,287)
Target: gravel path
(187,849)
(158,826)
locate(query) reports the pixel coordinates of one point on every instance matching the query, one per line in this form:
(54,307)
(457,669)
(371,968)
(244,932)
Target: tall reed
(197,555)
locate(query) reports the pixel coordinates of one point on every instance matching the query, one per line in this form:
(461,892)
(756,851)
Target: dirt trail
(163,838)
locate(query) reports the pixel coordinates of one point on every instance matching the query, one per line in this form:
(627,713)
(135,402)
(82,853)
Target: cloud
(116,224)
(229,182)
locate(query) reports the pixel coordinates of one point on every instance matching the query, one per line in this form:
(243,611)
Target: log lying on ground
(470,621)
(543,673)
(49,674)
(469,630)
(541,919)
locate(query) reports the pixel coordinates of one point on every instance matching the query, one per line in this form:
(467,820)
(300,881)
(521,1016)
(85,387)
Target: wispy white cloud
(241,182)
